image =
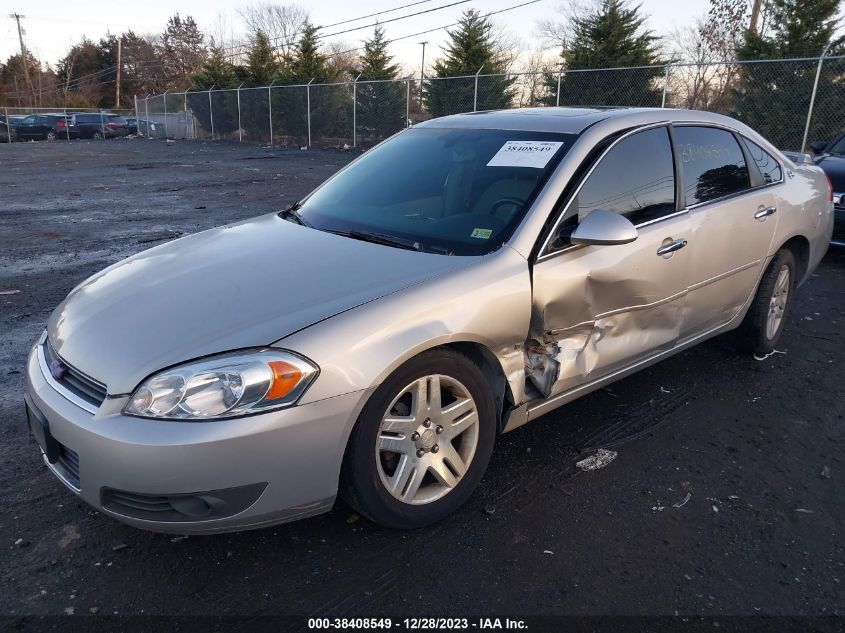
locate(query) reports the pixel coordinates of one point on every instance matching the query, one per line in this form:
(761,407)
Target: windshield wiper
(291,213)
(381,238)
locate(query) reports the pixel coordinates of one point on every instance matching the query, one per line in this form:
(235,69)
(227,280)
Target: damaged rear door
(600,308)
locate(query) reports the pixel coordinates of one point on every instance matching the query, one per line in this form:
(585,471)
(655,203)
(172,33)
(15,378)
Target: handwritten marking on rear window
(691,152)
(535,154)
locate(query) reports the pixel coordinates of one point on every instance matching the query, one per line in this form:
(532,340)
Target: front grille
(74,380)
(69,461)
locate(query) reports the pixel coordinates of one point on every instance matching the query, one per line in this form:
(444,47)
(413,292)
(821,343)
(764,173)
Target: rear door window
(636,178)
(766,163)
(712,162)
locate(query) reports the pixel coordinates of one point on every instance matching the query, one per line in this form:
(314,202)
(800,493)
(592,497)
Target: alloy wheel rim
(427,439)
(777,304)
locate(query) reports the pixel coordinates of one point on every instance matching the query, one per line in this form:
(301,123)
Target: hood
(834,167)
(238,286)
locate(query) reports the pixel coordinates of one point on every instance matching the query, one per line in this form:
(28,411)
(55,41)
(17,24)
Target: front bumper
(283,465)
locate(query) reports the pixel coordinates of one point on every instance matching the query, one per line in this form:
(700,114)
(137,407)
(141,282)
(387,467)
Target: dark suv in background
(50,127)
(99,125)
(831,158)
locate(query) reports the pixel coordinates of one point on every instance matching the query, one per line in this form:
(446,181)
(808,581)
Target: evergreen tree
(471,47)
(611,35)
(78,75)
(218,73)
(769,95)
(182,50)
(330,106)
(261,67)
(381,106)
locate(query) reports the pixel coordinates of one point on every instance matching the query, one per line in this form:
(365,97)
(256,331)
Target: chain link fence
(791,102)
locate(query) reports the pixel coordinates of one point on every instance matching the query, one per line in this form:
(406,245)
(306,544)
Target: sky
(50,31)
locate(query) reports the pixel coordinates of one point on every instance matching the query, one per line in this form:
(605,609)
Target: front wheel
(763,325)
(421,443)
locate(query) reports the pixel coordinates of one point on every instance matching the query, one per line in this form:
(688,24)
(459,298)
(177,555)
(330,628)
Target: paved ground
(757,445)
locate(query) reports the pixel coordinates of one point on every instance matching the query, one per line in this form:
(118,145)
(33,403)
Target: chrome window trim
(544,250)
(780,164)
(59,388)
(731,196)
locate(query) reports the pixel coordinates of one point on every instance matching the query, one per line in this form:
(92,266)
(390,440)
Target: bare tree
(708,47)
(508,46)
(222,31)
(701,77)
(343,58)
(281,22)
(554,32)
(531,87)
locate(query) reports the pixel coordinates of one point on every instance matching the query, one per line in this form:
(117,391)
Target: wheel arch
(490,366)
(481,356)
(800,247)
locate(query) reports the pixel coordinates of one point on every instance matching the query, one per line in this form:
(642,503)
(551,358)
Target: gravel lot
(757,444)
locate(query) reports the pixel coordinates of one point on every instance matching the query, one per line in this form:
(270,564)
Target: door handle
(765,212)
(671,247)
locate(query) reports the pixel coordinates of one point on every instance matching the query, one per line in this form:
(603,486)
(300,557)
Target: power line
(291,42)
(401,17)
(372,15)
(447,26)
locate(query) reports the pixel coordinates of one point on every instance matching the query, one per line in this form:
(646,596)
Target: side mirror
(818,147)
(602,227)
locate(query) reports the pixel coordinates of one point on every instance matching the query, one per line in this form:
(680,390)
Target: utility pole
(17,17)
(755,15)
(117,79)
(422,71)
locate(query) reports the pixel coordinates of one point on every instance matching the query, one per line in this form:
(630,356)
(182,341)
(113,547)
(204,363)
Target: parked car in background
(100,125)
(49,127)
(461,279)
(141,126)
(831,158)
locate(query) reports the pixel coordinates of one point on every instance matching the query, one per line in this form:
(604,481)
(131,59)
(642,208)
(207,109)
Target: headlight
(224,386)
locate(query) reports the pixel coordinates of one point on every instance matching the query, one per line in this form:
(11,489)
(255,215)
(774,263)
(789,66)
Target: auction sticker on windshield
(525,154)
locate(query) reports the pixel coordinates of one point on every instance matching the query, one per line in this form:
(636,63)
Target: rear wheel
(764,323)
(422,442)
(50,136)
(97,135)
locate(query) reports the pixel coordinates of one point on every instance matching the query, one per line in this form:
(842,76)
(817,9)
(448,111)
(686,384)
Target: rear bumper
(250,472)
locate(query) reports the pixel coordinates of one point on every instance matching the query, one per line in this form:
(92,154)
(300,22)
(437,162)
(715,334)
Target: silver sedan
(461,279)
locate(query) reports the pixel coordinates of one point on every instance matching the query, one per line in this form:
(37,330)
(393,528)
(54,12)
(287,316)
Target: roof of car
(569,120)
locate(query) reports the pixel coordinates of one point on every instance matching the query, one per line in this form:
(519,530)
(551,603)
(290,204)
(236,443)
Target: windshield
(838,147)
(451,191)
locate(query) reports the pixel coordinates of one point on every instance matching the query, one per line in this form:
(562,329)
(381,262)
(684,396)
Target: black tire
(50,136)
(753,334)
(97,136)
(361,485)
